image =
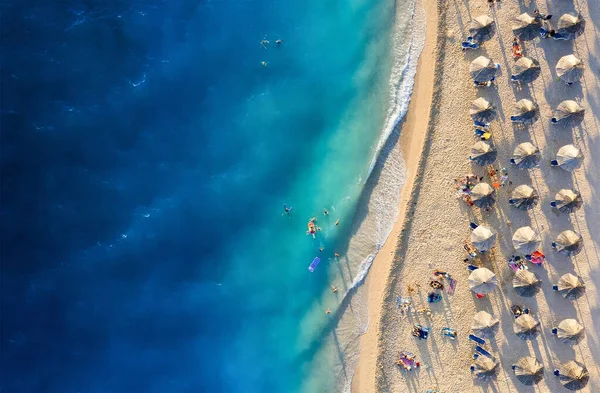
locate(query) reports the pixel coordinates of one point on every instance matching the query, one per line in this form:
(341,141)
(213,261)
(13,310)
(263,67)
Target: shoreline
(412,138)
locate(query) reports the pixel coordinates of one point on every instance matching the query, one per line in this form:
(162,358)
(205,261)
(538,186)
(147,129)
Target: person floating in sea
(263,63)
(278,42)
(333,289)
(321,248)
(325,212)
(328,311)
(337,223)
(312,228)
(336,255)
(264,43)
(287,210)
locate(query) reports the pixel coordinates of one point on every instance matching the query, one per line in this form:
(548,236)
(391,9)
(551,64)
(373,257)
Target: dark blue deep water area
(145,157)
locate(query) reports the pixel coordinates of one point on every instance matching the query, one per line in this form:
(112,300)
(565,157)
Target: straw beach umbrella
(526,327)
(482,28)
(525,156)
(483,238)
(484,324)
(573,375)
(526,70)
(568,243)
(526,283)
(528,370)
(483,153)
(571,26)
(524,197)
(569,331)
(567,201)
(526,26)
(569,69)
(484,367)
(482,281)
(568,158)
(483,195)
(526,112)
(568,113)
(570,286)
(481,110)
(526,240)
(482,69)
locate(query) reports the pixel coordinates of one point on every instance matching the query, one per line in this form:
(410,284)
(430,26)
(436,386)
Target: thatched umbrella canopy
(526,327)
(525,156)
(526,26)
(483,195)
(568,158)
(482,28)
(570,286)
(526,70)
(482,69)
(524,197)
(484,367)
(529,370)
(483,153)
(569,331)
(481,110)
(483,238)
(484,324)
(568,113)
(569,68)
(526,240)
(526,283)
(571,26)
(573,375)
(568,243)
(526,112)
(567,201)
(482,281)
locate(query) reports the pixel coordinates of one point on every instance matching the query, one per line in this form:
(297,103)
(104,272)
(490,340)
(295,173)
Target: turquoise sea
(146,157)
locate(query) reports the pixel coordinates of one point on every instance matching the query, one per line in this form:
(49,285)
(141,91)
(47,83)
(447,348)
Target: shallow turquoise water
(150,155)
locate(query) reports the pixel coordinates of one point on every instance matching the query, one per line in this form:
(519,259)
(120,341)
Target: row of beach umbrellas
(569,68)
(573,375)
(524,197)
(526,156)
(569,331)
(527,284)
(526,240)
(527,26)
(568,113)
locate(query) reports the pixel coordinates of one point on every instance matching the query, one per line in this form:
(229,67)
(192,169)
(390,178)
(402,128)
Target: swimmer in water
(325,212)
(278,42)
(337,223)
(333,289)
(328,311)
(335,254)
(264,63)
(321,248)
(286,210)
(264,43)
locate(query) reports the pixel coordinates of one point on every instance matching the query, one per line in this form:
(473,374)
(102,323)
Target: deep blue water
(146,155)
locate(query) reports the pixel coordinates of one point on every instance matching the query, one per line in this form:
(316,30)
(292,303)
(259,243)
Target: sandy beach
(433,224)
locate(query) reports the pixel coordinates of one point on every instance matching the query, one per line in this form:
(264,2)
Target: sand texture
(431,231)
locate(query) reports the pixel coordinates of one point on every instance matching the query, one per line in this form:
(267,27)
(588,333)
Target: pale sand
(431,234)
